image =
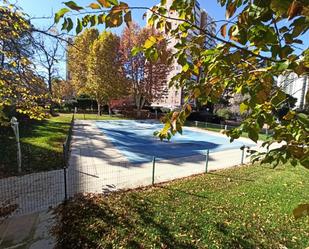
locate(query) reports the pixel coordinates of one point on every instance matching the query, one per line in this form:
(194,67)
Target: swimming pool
(135,140)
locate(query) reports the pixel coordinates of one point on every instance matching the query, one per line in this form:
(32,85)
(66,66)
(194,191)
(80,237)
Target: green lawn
(246,207)
(41,145)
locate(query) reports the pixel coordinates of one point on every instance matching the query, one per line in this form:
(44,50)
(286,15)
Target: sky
(47,8)
(39,8)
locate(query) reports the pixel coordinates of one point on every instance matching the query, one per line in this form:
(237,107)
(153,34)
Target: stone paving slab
(30,231)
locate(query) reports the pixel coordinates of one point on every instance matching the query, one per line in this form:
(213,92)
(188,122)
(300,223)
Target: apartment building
(295,86)
(172,98)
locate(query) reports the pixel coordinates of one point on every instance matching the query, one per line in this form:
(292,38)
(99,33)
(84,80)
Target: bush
(224,113)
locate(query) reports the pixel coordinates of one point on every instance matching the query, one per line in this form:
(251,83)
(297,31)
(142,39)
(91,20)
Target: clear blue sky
(47,8)
(39,8)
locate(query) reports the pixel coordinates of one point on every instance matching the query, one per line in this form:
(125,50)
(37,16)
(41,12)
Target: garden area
(41,145)
(245,207)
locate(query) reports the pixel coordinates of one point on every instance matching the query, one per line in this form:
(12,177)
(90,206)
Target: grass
(41,145)
(246,207)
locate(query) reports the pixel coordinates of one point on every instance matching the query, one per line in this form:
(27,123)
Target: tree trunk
(99,109)
(50,89)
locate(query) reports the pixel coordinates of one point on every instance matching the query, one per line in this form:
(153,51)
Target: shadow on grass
(41,147)
(133,221)
(113,226)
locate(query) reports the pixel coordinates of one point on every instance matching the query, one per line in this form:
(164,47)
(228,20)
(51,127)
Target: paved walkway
(33,192)
(97,166)
(30,231)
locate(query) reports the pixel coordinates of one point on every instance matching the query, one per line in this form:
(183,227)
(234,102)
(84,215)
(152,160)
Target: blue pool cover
(135,140)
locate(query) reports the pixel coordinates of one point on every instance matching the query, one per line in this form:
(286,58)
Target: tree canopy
(22,90)
(105,79)
(147,77)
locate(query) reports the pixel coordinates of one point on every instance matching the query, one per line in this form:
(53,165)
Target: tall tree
(148,77)
(105,80)
(21,89)
(48,56)
(77,57)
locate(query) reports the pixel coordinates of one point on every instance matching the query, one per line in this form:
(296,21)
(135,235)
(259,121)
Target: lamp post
(14,125)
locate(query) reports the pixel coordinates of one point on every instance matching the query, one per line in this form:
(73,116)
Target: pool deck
(97,166)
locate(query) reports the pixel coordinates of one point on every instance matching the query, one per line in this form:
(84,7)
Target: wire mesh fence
(219,127)
(40,191)
(31,193)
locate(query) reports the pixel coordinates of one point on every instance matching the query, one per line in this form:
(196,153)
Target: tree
(105,79)
(21,89)
(48,57)
(77,56)
(147,76)
(62,90)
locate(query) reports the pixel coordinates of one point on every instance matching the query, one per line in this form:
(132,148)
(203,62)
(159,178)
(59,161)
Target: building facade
(295,86)
(173,98)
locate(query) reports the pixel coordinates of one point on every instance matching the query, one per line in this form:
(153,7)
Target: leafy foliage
(241,61)
(147,76)
(78,53)
(105,77)
(21,89)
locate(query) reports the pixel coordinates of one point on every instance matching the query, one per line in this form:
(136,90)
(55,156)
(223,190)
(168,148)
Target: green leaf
(72,5)
(94,20)
(278,98)
(243,108)
(186,67)
(60,14)
(70,24)
(113,2)
(253,134)
(136,50)
(79,26)
(303,118)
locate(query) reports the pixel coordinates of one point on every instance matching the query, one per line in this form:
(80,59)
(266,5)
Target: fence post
(64,155)
(65,184)
(153,169)
(225,127)
(207,160)
(242,154)
(196,123)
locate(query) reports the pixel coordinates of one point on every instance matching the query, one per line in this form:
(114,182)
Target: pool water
(135,140)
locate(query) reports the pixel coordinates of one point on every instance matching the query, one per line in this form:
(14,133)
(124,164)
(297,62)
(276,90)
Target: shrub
(224,113)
